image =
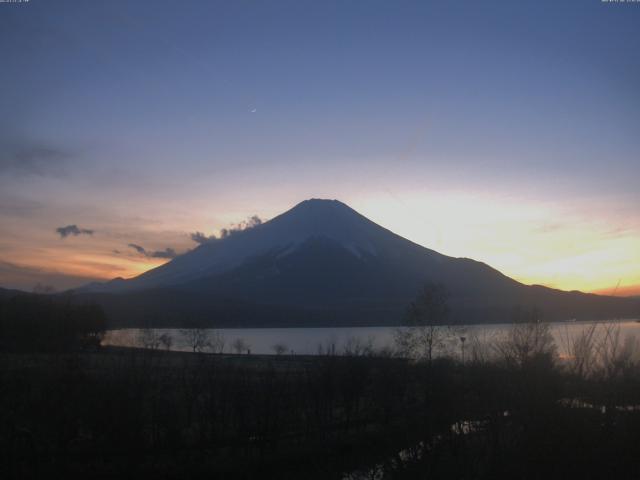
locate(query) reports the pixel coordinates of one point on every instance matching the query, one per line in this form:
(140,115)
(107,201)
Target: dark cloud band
(166,253)
(74,230)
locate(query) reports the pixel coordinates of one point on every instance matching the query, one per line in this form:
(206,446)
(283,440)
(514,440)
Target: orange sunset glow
(534,243)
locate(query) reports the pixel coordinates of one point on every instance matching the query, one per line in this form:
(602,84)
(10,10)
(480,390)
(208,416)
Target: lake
(310,341)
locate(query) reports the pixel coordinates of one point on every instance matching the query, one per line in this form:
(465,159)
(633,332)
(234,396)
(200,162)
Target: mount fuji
(322,263)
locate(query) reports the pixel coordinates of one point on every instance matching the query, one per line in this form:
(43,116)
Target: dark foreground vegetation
(30,322)
(136,414)
(510,409)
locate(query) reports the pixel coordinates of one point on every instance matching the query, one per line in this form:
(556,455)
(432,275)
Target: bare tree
(613,354)
(328,348)
(599,351)
(166,340)
(197,338)
(480,346)
(239,345)
(357,347)
(426,319)
(581,351)
(217,342)
(529,338)
(149,338)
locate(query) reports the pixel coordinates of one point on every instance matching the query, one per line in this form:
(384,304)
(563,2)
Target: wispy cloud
(247,224)
(250,222)
(201,238)
(33,158)
(138,248)
(166,253)
(74,230)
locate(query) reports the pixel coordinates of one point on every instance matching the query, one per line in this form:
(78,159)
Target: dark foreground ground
(121,413)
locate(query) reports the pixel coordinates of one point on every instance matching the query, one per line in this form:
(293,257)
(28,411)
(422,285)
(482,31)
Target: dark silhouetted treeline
(44,323)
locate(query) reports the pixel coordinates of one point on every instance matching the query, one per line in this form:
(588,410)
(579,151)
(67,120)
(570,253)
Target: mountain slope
(327,219)
(323,263)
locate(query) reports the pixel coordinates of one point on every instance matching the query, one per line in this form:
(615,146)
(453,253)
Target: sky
(506,132)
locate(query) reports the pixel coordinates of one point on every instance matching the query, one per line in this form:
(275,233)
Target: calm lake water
(309,341)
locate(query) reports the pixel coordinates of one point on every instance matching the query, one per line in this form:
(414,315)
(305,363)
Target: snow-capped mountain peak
(331,220)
